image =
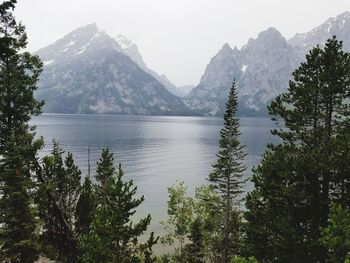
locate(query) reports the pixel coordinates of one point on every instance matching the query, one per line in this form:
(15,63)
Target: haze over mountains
(88,71)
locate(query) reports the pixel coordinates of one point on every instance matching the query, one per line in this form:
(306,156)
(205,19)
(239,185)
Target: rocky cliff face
(335,26)
(215,83)
(87,72)
(268,62)
(131,50)
(262,68)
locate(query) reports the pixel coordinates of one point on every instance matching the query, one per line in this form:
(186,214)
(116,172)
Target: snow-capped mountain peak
(87,71)
(123,42)
(82,40)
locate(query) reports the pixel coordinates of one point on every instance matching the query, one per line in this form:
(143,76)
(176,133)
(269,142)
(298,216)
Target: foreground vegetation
(297,212)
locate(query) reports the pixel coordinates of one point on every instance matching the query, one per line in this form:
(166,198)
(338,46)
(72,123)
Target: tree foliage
(19,74)
(180,215)
(336,235)
(113,236)
(58,197)
(298,178)
(195,248)
(85,208)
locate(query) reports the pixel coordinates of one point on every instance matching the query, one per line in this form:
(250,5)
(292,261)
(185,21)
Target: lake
(155,152)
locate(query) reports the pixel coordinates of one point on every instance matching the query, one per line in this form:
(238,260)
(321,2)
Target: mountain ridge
(130,49)
(262,69)
(87,72)
(266,64)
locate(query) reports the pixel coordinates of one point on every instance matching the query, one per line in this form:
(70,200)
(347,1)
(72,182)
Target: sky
(175,37)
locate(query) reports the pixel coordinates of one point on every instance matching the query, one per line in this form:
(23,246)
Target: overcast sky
(175,37)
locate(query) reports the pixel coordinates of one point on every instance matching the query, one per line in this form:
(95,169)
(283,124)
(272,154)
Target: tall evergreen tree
(298,178)
(19,74)
(114,237)
(226,177)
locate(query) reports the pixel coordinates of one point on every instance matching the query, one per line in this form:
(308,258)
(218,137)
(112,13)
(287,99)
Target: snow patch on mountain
(70,44)
(48,62)
(123,42)
(81,50)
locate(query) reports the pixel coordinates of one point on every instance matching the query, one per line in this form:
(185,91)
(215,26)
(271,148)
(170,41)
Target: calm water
(154,151)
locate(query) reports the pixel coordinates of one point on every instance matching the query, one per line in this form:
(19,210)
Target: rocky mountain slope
(214,84)
(268,63)
(131,50)
(262,68)
(335,26)
(89,72)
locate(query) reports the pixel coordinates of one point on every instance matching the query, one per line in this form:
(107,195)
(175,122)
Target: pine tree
(71,188)
(194,250)
(276,212)
(298,178)
(61,189)
(114,237)
(85,208)
(105,173)
(336,236)
(84,214)
(19,74)
(226,177)
(148,249)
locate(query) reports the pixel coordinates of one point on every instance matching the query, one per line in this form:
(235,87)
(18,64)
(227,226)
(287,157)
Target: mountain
(167,83)
(262,68)
(131,50)
(268,62)
(88,72)
(214,84)
(338,26)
